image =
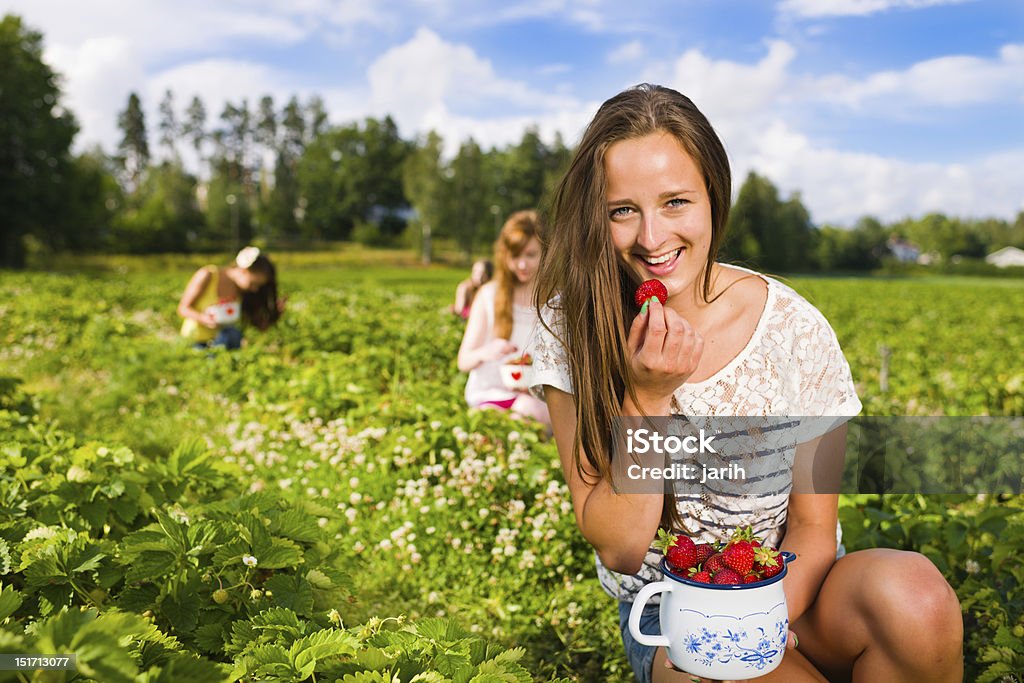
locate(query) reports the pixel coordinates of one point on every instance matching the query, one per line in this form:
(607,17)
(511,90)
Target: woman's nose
(651,230)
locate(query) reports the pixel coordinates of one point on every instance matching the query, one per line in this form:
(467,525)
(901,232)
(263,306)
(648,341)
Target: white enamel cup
(720,632)
(225,313)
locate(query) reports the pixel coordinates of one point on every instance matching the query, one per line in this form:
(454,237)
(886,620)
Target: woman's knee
(908,598)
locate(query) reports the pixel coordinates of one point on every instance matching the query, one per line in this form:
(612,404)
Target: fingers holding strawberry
(664,350)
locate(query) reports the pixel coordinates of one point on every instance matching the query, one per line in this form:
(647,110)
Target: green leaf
(10,601)
(5,557)
(444,630)
(280,553)
(296,525)
(188,667)
(210,638)
(271,660)
(306,652)
(429,677)
(450,662)
(183,615)
(369,677)
(138,598)
(291,592)
(87,560)
(151,566)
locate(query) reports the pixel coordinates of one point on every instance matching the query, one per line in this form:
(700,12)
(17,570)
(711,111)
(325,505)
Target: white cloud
(628,52)
(156,30)
(840,186)
(428,83)
(839,8)
(97,77)
(948,81)
(736,97)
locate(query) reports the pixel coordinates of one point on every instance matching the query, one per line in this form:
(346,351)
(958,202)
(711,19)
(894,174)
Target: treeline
(282,174)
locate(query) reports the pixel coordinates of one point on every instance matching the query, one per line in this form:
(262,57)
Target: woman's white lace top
(792,365)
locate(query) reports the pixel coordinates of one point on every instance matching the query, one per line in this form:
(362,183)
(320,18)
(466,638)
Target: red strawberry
(704,551)
(768,562)
(683,554)
(751,578)
(701,577)
(714,564)
(680,551)
(650,288)
(727,577)
(739,556)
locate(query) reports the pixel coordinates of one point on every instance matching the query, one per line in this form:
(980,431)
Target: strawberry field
(320,505)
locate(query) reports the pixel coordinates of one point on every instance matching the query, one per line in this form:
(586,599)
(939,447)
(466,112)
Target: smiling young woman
(647,196)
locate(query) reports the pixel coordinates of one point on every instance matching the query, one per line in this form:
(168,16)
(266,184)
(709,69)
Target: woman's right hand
(664,351)
(208,320)
(497,349)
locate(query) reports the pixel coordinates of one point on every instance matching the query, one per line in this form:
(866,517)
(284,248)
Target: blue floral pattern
(757,647)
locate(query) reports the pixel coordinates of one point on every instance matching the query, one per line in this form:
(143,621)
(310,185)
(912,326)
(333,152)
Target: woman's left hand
(791,643)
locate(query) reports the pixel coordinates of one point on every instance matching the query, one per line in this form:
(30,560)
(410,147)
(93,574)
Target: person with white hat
(217,299)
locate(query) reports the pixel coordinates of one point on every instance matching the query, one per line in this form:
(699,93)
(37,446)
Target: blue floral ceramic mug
(721,632)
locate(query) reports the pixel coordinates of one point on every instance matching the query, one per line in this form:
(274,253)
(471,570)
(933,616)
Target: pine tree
(134,147)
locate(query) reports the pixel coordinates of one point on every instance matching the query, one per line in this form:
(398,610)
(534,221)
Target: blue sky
(881,107)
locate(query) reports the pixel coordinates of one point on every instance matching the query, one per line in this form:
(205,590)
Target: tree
(194,127)
(471,210)
(35,138)
(134,147)
(766,231)
(294,137)
(423,181)
(265,134)
(317,116)
(162,214)
(170,129)
(351,176)
(90,202)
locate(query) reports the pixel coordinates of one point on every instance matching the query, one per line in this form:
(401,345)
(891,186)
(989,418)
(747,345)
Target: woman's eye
(620,212)
(676,202)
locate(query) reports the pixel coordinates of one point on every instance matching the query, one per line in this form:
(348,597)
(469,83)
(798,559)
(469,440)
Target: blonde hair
(519,229)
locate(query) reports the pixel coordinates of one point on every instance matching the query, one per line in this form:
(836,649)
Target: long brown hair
(519,229)
(260,307)
(595,301)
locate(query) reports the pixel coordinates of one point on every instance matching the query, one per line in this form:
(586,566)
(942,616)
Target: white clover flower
(972,567)
(249,561)
(435,425)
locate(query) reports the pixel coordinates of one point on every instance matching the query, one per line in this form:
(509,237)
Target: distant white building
(1006,257)
(904,251)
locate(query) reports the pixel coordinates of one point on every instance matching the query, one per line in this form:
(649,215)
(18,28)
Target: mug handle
(787,557)
(639,602)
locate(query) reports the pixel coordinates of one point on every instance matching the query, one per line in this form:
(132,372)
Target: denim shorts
(641,657)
